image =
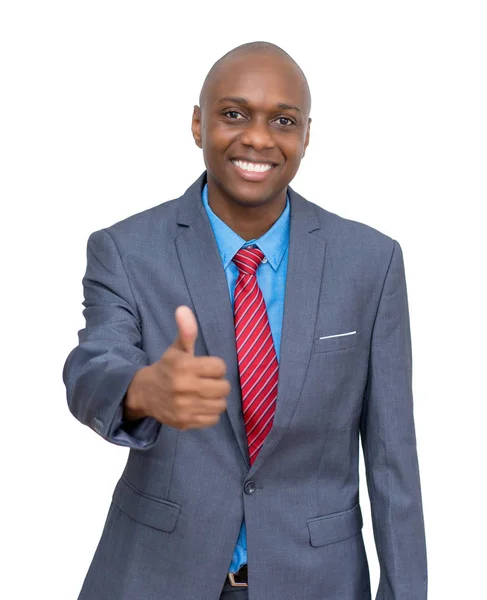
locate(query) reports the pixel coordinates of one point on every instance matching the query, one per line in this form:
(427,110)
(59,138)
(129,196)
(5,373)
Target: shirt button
(249,487)
(264,260)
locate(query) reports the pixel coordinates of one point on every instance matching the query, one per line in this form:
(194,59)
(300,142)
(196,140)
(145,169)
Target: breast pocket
(340,341)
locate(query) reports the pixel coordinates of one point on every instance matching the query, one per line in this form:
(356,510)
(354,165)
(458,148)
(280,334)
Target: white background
(96,105)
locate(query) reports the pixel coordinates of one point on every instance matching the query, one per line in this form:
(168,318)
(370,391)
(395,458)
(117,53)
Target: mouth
(252,171)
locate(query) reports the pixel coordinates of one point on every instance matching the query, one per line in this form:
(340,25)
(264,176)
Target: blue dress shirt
(271,277)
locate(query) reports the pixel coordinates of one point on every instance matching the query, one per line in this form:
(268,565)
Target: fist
(180,389)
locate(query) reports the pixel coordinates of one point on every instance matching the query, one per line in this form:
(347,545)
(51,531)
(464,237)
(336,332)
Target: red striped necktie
(257,360)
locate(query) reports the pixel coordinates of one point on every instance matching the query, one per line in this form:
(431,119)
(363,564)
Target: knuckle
(178,405)
(182,422)
(179,384)
(222,366)
(217,366)
(181,365)
(201,388)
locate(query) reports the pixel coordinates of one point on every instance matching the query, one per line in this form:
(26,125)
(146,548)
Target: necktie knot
(248,260)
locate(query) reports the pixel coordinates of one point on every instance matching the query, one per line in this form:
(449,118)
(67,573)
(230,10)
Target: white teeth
(254,167)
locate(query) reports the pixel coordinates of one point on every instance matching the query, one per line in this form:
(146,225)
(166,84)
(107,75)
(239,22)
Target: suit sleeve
(99,370)
(389,445)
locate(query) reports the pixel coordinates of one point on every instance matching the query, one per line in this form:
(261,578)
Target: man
(239,340)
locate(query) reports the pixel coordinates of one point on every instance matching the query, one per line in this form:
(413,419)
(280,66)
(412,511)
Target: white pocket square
(325,337)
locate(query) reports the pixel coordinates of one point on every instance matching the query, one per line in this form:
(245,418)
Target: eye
(284,121)
(233,114)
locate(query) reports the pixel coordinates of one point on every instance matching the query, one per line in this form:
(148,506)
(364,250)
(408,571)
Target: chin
(252,194)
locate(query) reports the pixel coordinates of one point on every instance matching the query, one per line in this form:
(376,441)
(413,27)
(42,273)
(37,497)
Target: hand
(180,389)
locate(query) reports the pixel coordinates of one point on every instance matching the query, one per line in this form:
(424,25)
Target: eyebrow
(241,100)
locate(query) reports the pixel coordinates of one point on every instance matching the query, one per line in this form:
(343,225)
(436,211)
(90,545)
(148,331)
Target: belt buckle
(234,583)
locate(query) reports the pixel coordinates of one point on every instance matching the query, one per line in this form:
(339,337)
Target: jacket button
(249,487)
(98,425)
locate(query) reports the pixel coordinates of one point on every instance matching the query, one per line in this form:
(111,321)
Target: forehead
(263,79)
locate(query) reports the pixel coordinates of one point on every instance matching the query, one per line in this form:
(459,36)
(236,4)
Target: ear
(306,141)
(196,125)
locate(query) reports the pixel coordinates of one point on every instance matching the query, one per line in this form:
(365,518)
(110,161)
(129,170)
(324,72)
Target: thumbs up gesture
(180,389)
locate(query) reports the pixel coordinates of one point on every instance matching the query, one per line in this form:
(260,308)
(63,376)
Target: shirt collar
(273,243)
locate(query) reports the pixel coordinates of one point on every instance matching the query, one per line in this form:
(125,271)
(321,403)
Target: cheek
(216,136)
(215,146)
(292,145)
(293,151)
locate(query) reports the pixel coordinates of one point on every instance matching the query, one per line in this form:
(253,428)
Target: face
(253,127)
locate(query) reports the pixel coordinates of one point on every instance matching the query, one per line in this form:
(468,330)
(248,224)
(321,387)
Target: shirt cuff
(140,434)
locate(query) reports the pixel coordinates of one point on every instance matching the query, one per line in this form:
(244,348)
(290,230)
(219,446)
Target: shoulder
(351,238)
(146,221)
(139,231)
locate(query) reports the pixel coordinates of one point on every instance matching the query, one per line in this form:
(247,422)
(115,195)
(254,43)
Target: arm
(389,445)
(99,370)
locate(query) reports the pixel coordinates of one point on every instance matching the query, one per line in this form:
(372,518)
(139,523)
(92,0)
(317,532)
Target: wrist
(133,405)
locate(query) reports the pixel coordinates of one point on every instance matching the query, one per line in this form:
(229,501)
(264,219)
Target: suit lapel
(208,288)
(207,285)
(301,299)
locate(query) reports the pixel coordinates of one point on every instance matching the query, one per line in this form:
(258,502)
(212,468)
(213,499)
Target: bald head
(253,126)
(251,51)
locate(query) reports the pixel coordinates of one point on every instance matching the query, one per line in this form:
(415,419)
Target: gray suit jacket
(176,512)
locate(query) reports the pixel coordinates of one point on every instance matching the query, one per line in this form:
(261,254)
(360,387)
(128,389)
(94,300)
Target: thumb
(187,329)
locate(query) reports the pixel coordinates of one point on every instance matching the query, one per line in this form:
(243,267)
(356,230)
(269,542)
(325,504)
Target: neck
(249,221)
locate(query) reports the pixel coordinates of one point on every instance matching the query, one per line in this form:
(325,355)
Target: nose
(258,135)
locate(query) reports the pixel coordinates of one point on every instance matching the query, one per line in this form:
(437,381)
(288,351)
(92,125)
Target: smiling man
(253,126)
(241,341)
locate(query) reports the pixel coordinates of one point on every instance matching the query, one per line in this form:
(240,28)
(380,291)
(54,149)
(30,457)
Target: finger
(209,366)
(213,406)
(199,422)
(187,329)
(206,388)
(206,421)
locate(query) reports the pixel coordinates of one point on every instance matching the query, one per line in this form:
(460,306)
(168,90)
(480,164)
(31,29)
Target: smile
(252,171)
(252,167)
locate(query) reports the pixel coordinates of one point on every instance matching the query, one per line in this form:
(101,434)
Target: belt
(240,578)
